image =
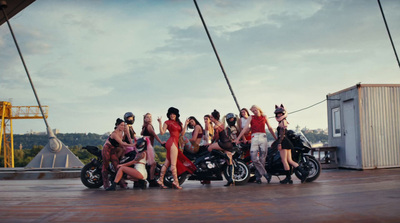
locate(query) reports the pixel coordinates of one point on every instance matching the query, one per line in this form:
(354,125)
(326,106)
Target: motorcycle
(91,175)
(210,166)
(273,163)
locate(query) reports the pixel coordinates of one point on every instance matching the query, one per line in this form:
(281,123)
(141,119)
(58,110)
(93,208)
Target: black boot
(142,184)
(304,174)
(288,179)
(230,176)
(153,183)
(268,177)
(112,187)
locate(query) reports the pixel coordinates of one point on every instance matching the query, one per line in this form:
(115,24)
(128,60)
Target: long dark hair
(244,109)
(175,111)
(215,114)
(195,120)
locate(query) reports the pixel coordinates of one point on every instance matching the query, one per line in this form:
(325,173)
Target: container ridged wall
(380,126)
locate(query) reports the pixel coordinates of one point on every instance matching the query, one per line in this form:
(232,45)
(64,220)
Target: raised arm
(163,129)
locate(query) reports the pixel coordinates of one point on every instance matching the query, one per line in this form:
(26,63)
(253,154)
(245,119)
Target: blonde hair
(258,108)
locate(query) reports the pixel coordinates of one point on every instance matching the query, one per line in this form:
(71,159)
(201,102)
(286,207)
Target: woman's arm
(150,129)
(126,132)
(117,138)
(195,133)
(270,129)
(246,128)
(185,127)
(138,157)
(163,129)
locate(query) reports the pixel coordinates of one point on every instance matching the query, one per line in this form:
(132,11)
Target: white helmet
(280,110)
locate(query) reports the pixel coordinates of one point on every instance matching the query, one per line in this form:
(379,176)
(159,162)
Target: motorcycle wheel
(168,178)
(91,176)
(313,167)
(241,173)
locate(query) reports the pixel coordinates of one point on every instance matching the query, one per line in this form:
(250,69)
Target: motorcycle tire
(241,173)
(91,177)
(313,167)
(168,178)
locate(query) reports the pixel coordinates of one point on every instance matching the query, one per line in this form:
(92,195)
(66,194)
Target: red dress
(183,164)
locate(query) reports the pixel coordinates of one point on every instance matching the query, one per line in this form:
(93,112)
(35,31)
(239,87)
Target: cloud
(93,61)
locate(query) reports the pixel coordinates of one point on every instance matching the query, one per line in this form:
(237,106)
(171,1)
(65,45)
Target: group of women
(214,136)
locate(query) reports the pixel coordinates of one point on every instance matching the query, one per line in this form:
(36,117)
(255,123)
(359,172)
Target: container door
(349,133)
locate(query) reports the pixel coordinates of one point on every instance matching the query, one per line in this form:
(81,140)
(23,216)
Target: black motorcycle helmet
(128,115)
(231,122)
(141,145)
(280,110)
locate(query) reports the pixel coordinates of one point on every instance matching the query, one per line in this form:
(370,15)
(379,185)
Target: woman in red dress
(179,163)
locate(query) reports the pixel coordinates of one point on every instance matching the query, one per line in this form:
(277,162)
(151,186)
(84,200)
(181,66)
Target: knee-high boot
(304,173)
(230,176)
(288,179)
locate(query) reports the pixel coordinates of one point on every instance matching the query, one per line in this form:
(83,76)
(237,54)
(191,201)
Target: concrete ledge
(38,174)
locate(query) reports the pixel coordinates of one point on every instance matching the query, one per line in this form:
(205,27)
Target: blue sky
(92,61)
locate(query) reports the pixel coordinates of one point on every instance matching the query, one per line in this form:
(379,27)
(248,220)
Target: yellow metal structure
(7,114)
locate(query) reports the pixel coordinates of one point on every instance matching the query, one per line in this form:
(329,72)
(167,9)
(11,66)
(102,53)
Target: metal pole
(390,37)
(216,54)
(2,6)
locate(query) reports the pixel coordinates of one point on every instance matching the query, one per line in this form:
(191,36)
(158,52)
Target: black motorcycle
(273,163)
(210,166)
(91,175)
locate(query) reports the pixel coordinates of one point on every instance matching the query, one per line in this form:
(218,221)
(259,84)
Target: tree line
(27,146)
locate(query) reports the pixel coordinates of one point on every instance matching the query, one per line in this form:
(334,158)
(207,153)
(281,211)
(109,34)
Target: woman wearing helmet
(138,172)
(221,141)
(232,129)
(129,134)
(285,146)
(259,142)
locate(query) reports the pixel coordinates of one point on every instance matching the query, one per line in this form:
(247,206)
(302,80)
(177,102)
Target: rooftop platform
(336,196)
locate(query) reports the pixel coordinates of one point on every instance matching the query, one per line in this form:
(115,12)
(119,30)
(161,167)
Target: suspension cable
(216,54)
(302,109)
(387,28)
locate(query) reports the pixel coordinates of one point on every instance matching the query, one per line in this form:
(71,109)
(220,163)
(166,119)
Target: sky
(92,61)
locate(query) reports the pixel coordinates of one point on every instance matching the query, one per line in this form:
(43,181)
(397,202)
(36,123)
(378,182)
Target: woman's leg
(284,158)
(214,146)
(136,175)
(304,173)
(174,158)
(152,170)
(255,154)
(106,160)
(289,159)
(162,173)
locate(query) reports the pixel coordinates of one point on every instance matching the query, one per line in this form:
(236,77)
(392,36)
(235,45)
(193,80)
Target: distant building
(364,123)
(55,131)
